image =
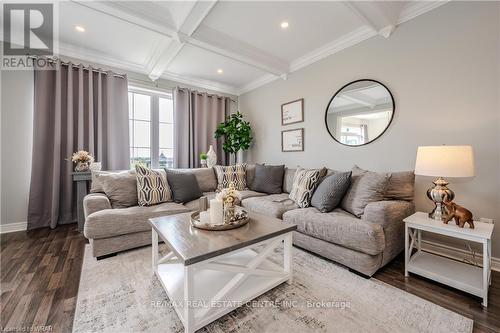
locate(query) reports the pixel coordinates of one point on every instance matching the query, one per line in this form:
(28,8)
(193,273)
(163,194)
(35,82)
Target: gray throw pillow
(268,178)
(120,188)
(331,191)
(183,185)
(366,187)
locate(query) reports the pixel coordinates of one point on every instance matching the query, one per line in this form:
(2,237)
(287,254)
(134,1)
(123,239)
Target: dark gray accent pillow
(331,191)
(268,178)
(183,185)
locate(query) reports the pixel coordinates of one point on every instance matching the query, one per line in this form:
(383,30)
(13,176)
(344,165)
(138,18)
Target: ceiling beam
(227,46)
(373,15)
(160,61)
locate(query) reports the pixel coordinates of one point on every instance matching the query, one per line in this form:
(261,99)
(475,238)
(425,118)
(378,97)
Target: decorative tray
(195,222)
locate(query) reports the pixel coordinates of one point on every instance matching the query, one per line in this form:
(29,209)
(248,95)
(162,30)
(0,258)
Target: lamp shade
(445,161)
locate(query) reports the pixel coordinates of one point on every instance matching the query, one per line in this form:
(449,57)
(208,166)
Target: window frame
(154,105)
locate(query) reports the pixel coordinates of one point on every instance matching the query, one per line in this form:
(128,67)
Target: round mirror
(359,112)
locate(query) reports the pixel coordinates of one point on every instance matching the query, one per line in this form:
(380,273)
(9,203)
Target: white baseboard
(457,254)
(13,227)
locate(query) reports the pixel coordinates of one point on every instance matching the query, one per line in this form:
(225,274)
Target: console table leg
(486,269)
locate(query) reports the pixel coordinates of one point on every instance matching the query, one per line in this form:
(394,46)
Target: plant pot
(203,163)
(82,166)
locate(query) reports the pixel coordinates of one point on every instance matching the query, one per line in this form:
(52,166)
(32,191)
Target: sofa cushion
(338,227)
(231,174)
(288,179)
(366,187)
(401,186)
(270,205)
(195,204)
(205,177)
(113,222)
(305,182)
(250,171)
(184,185)
(152,186)
(120,188)
(268,179)
(331,191)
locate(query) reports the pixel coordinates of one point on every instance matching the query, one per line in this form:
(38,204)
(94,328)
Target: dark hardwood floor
(40,272)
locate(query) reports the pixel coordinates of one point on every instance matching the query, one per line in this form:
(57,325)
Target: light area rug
(120,294)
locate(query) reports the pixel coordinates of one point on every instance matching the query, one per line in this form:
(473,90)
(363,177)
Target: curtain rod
(98,70)
(209,95)
(67,63)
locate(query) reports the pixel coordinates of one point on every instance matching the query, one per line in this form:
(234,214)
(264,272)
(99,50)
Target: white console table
(460,275)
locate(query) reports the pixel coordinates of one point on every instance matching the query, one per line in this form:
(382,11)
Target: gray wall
(16,141)
(443,69)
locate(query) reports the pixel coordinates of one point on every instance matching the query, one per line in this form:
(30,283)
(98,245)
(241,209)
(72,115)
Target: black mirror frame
(390,121)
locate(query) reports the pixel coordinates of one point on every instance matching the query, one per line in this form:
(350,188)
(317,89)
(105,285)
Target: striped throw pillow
(231,173)
(152,186)
(305,182)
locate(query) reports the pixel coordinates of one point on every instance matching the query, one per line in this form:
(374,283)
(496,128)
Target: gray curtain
(75,108)
(196,116)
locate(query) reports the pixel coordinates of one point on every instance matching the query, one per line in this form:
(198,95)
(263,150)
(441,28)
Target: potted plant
(203,160)
(237,134)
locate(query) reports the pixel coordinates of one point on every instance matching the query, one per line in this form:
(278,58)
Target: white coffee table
(469,278)
(207,274)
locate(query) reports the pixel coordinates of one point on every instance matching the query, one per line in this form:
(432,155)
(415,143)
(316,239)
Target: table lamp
(443,161)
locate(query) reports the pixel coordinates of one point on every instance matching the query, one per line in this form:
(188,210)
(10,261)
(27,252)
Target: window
(151,124)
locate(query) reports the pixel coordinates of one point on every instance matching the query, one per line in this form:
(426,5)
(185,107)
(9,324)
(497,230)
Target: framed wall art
(292,140)
(292,112)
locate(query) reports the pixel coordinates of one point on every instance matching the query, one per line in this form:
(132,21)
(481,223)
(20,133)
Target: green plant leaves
(237,133)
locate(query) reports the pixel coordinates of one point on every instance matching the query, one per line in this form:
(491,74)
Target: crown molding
(72,51)
(263,80)
(418,8)
(201,83)
(348,40)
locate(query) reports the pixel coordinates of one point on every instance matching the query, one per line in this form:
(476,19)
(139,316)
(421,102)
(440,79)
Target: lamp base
(438,194)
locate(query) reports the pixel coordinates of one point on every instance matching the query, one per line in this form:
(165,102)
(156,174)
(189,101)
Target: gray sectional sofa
(363,244)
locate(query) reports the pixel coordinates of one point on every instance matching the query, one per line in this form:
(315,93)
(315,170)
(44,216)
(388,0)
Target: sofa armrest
(390,214)
(95,202)
(386,213)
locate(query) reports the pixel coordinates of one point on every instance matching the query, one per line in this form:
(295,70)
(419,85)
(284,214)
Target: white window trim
(155,119)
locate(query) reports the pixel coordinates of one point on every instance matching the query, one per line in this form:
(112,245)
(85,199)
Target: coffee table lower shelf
(205,291)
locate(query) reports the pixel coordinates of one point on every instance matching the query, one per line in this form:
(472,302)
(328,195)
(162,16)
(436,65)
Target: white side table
(469,278)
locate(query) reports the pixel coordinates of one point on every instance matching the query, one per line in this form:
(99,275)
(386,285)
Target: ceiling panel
(199,63)
(311,24)
(106,35)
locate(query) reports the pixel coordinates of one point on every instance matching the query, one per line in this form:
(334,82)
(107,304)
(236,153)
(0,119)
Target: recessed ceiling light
(220,71)
(79,28)
(284,24)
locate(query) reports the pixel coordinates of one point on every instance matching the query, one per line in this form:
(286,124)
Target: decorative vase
(82,166)
(211,157)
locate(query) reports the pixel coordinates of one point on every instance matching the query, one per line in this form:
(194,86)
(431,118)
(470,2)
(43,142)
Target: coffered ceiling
(231,47)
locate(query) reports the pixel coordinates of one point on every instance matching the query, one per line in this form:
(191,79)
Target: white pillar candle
(205,217)
(216,211)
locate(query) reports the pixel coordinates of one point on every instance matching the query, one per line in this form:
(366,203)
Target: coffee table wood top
(192,245)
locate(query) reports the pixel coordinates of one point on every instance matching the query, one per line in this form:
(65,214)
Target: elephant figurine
(459,213)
